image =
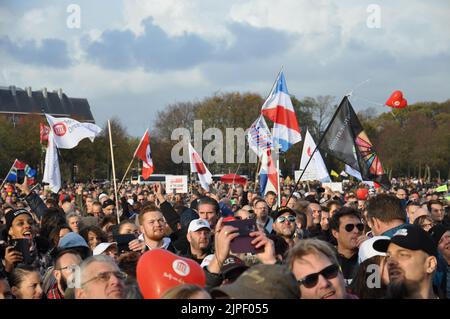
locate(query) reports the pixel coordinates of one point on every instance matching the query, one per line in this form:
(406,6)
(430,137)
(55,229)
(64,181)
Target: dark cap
(283,210)
(231,264)
(437,231)
(9,217)
(411,237)
(108,202)
(261,282)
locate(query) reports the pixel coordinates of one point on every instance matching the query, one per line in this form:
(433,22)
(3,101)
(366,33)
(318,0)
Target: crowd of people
(365,242)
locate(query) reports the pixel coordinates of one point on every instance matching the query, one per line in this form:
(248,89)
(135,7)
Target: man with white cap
(108,249)
(199,238)
(367,251)
(102,197)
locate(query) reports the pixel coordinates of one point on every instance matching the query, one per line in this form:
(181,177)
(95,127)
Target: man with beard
(65,267)
(152,227)
(199,238)
(347,227)
(411,263)
(314,264)
(284,225)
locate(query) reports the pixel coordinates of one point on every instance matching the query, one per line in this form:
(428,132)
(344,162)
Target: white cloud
(203,17)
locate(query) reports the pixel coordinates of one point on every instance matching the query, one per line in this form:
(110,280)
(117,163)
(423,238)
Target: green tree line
(414,141)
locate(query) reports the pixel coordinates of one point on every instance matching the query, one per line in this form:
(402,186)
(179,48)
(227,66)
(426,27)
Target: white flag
(316,169)
(198,167)
(52,175)
(259,137)
(68,132)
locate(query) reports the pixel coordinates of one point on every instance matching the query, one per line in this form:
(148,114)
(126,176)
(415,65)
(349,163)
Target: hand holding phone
(243,243)
(123,242)
(23,246)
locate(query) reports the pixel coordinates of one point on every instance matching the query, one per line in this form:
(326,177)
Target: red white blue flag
(278,108)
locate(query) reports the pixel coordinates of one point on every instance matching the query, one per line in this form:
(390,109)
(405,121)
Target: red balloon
(362,193)
(159,270)
(396,100)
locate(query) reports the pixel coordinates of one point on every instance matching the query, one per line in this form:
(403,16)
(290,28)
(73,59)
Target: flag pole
(4,181)
(114,172)
(258,166)
(126,172)
(278,179)
(315,149)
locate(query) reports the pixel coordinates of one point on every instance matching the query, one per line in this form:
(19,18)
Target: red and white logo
(60,129)
(181,267)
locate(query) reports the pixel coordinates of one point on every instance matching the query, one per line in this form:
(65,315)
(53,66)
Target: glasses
(311,280)
(105,276)
(70,267)
(289,218)
(350,227)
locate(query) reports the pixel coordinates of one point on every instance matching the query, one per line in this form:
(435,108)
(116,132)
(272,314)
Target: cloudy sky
(131,58)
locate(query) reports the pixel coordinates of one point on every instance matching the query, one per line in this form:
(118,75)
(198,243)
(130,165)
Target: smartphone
(23,246)
(242,243)
(20,175)
(123,241)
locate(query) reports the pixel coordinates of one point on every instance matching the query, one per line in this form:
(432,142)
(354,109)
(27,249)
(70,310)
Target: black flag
(346,140)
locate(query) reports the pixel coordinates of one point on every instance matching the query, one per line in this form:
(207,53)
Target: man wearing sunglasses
(314,264)
(347,228)
(100,278)
(284,224)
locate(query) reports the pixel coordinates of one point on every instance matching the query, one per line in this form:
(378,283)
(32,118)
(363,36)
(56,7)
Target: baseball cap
(100,248)
(108,202)
(231,265)
(411,237)
(297,195)
(282,210)
(367,251)
(198,224)
(101,196)
(261,282)
(437,231)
